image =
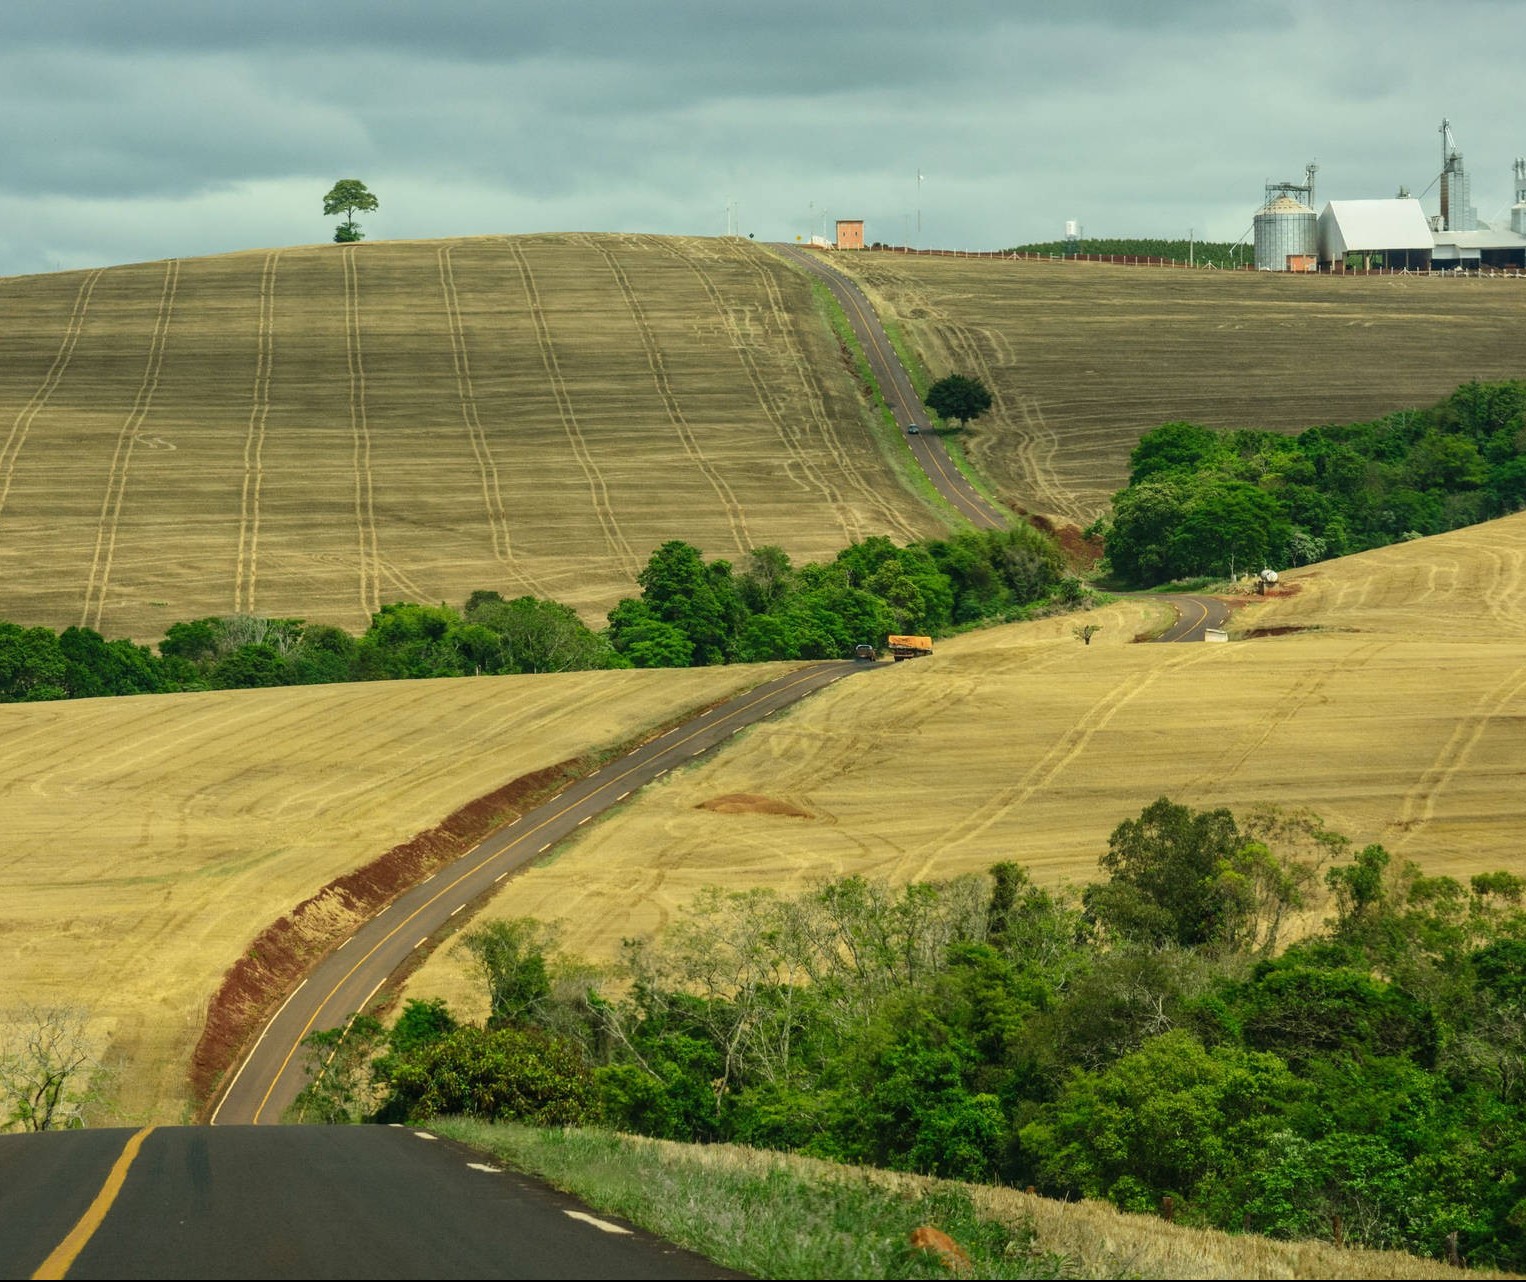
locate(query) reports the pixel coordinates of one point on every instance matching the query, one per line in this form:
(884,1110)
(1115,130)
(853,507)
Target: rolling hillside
(315,431)
(1020,743)
(1084,358)
(149,840)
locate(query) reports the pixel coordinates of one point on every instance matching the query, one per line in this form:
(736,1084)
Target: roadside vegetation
(1207,502)
(691,613)
(1158,1040)
(764,1215)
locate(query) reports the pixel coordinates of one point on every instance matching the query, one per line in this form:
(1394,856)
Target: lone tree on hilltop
(958,397)
(346,197)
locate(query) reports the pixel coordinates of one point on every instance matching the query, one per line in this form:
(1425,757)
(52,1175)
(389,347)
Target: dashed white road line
(484,1167)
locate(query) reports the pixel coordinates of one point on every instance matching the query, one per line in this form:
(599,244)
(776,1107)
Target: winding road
(300,1202)
(926,446)
(188,1202)
(349,978)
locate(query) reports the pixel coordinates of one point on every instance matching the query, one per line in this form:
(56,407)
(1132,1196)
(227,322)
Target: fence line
(1142,260)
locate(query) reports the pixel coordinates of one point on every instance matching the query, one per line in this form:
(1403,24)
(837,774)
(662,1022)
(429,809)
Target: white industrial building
(1393,235)
(1360,234)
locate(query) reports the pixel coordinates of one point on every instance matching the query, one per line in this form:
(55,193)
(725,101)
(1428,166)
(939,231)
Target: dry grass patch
(1021,743)
(1084,358)
(149,839)
(314,431)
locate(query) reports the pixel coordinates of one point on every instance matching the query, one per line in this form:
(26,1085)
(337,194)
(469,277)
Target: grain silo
(1287,229)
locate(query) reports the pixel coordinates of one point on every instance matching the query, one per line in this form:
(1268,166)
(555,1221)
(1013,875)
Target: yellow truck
(909,647)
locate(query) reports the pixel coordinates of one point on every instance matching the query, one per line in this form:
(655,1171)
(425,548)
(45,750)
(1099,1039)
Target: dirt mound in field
(746,803)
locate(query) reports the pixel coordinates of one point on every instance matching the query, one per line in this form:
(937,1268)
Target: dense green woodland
(689,613)
(1204,502)
(1155,1035)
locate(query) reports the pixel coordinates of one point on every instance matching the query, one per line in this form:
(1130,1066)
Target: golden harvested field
(148,840)
(314,431)
(1083,358)
(1399,722)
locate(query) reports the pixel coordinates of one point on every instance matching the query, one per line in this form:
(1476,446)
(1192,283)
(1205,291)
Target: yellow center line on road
(66,1252)
(522,838)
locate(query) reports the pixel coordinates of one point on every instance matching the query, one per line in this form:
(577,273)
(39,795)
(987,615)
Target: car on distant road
(912,429)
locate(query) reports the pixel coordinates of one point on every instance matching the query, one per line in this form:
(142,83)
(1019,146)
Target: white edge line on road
(501,876)
(425,1135)
(421,943)
(545,848)
(604,1226)
(455,911)
(485,1168)
(623,795)
(346,941)
(429,879)
(212,1121)
(584,820)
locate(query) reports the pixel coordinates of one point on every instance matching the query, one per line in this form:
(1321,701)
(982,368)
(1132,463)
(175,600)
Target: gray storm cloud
(132,131)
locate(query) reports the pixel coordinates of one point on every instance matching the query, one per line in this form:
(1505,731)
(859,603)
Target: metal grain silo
(1287,235)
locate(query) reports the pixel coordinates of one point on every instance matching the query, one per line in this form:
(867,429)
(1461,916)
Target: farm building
(1361,234)
(1396,234)
(850,233)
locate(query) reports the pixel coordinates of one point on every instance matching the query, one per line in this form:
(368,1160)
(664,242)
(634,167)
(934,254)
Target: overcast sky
(141,129)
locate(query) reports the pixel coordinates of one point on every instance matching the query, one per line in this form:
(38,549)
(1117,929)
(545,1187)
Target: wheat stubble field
(148,840)
(1083,358)
(1398,719)
(315,431)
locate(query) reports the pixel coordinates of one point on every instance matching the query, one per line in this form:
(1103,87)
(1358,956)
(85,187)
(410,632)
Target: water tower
(1072,237)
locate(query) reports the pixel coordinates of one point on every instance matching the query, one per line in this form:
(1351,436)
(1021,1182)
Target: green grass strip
(899,454)
(765,1214)
(951,437)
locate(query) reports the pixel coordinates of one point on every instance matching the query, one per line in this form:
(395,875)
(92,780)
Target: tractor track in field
(802,470)
(254,442)
(1419,805)
(365,483)
(99,580)
(598,490)
(873,500)
(736,518)
(495,509)
(16,438)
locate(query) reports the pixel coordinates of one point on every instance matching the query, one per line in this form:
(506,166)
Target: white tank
(1285,227)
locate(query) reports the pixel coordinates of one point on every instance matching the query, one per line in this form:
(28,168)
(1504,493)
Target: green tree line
(689,613)
(1155,1035)
(1201,501)
(1205,253)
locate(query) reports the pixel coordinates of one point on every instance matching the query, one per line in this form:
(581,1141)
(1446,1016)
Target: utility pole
(919,207)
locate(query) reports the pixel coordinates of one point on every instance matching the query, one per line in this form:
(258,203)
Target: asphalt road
(300,1202)
(274,1072)
(1194,615)
(926,446)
